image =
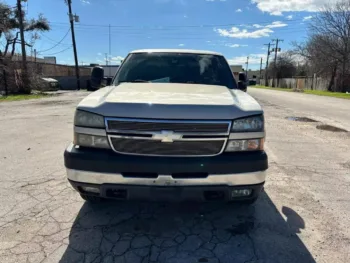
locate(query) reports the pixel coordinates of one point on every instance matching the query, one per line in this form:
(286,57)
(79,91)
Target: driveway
(302,216)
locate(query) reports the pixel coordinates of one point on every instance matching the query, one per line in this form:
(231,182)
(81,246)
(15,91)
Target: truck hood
(170,101)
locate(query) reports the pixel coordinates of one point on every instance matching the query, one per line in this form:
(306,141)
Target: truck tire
(92,199)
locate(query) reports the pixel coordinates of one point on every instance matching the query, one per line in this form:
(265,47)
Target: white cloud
(239,10)
(85,2)
(307,18)
(290,17)
(276,24)
(117,58)
(262,31)
(99,54)
(277,7)
(257,26)
(237,33)
(235,45)
(181,45)
(254,59)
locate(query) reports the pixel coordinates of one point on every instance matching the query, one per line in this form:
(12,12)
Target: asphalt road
(303,215)
(328,109)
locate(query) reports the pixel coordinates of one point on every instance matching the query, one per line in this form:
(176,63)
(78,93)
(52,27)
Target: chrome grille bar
(149,126)
(179,148)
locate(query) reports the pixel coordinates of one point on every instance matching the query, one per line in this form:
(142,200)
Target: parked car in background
(49,84)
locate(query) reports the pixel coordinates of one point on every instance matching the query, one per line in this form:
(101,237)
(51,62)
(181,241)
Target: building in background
(236,69)
(255,74)
(47,60)
(50,60)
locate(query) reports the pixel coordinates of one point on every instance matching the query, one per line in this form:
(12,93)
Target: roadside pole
(25,80)
(71,20)
(267,64)
(261,62)
(246,71)
(110,49)
(276,49)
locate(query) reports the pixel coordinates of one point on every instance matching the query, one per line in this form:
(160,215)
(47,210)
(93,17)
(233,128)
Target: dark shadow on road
(190,233)
(294,221)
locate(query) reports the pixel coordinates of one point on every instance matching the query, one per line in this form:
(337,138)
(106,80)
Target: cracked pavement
(302,216)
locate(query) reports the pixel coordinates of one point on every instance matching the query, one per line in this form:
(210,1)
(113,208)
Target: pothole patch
(330,128)
(346,165)
(301,119)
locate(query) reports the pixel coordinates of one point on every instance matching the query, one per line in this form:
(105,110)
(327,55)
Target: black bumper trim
(173,194)
(107,161)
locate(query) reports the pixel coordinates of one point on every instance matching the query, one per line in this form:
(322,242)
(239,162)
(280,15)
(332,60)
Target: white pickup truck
(172,125)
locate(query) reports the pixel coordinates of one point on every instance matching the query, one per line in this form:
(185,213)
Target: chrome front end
(173,138)
(167,180)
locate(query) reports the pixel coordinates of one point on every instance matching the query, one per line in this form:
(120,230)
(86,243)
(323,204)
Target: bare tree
(9,33)
(319,57)
(285,66)
(331,37)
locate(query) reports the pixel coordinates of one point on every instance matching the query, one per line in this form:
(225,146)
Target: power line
(59,51)
(53,41)
(58,43)
(181,26)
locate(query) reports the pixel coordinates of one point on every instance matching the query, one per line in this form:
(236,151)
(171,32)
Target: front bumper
(139,177)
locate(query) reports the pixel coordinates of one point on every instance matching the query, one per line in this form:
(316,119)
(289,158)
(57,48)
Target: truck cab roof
(188,51)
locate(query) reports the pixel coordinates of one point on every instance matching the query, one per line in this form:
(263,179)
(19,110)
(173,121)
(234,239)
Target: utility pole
(25,79)
(276,49)
(261,62)
(246,71)
(110,48)
(71,19)
(267,64)
(35,54)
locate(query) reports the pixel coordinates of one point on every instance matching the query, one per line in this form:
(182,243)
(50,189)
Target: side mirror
(242,77)
(109,81)
(242,86)
(97,75)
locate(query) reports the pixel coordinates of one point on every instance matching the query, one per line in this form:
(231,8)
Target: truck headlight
(93,141)
(88,119)
(250,124)
(245,145)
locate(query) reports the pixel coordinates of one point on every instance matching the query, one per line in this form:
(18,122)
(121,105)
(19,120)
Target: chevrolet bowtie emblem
(167,136)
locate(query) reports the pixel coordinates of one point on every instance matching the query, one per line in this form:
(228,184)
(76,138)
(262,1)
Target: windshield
(176,68)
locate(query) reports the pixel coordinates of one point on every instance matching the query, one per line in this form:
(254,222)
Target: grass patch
(264,87)
(313,92)
(23,97)
(329,94)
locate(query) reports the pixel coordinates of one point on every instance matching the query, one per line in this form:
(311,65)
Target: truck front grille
(167,137)
(203,127)
(159,148)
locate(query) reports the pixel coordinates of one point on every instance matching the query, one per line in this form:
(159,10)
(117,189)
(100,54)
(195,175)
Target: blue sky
(236,28)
